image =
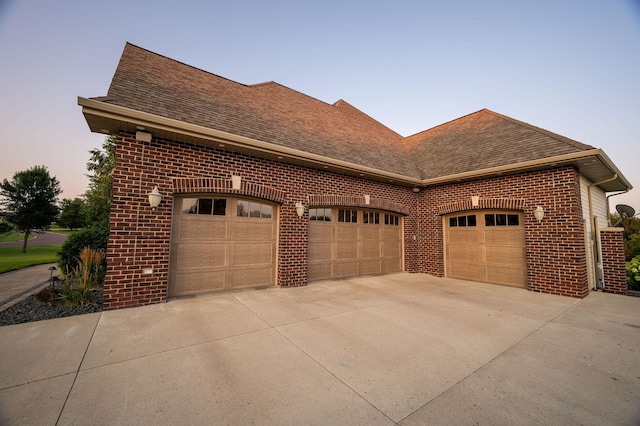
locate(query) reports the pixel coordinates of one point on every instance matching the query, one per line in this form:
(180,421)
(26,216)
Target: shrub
(632,246)
(633,273)
(93,238)
(87,274)
(5,227)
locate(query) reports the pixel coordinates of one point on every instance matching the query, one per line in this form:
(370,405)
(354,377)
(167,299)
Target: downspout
(613,195)
(594,235)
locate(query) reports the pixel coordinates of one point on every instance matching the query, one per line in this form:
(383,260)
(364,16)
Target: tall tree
(72,214)
(97,199)
(99,194)
(29,201)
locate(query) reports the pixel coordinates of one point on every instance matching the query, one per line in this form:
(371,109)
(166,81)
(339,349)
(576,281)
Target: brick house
(265,186)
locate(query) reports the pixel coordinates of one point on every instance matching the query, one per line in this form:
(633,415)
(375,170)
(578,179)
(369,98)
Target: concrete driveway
(402,348)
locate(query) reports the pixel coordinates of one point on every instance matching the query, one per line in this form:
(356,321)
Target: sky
(569,66)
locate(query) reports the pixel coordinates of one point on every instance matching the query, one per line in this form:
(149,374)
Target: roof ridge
(560,138)
(341,103)
(338,105)
(129,44)
(275,83)
(556,136)
(445,123)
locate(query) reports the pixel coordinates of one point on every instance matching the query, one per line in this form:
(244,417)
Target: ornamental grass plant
(83,278)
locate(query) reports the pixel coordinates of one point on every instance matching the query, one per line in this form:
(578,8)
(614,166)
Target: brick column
(613,264)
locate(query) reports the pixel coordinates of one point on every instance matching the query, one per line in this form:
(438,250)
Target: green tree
(99,194)
(72,213)
(631,234)
(97,201)
(5,227)
(29,201)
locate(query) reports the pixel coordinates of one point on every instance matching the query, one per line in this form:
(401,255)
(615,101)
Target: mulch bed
(46,305)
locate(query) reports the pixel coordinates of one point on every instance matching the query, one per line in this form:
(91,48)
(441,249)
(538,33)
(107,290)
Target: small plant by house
(83,278)
(633,273)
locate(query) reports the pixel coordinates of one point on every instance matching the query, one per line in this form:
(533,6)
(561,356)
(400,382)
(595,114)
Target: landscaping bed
(44,306)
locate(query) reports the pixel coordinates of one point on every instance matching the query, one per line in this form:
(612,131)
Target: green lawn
(12,258)
(12,236)
(18,236)
(59,230)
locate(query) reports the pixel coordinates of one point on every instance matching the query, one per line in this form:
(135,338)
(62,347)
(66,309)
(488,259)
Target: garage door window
(501,220)
(205,206)
(345,215)
(371,218)
(254,209)
(320,214)
(467,220)
(391,219)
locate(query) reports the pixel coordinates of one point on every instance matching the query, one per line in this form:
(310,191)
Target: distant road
(48,238)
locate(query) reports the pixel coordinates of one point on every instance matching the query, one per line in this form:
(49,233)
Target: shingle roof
(484,140)
(270,112)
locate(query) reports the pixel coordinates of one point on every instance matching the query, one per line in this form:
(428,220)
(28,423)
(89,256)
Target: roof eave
(103,117)
(108,118)
(594,164)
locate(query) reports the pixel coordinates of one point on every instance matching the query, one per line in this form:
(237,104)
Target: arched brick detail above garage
(356,201)
(225,186)
(483,203)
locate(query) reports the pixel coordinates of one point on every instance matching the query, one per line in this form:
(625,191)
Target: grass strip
(10,237)
(12,258)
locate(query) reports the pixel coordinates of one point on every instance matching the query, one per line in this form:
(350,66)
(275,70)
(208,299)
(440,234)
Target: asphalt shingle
(273,113)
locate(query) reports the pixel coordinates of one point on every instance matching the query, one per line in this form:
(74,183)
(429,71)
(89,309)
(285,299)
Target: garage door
(350,242)
(221,244)
(486,246)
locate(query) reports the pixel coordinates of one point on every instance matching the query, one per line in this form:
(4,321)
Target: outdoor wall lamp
(299,209)
(538,213)
(155,197)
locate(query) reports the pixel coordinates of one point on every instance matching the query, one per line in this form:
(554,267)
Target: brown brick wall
(140,236)
(613,263)
(556,254)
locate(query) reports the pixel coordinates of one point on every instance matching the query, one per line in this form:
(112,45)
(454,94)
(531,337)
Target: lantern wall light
(155,197)
(299,209)
(538,213)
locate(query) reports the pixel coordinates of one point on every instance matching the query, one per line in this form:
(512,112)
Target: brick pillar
(613,264)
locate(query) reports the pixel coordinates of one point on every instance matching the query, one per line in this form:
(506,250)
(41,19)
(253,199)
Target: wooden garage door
(220,244)
(350,242)
(487,246)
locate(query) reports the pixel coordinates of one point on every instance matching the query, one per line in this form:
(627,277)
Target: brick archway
(356,201)
(483,204)
(224,186)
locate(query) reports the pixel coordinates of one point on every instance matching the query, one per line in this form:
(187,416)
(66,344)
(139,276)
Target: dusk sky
(570,67)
